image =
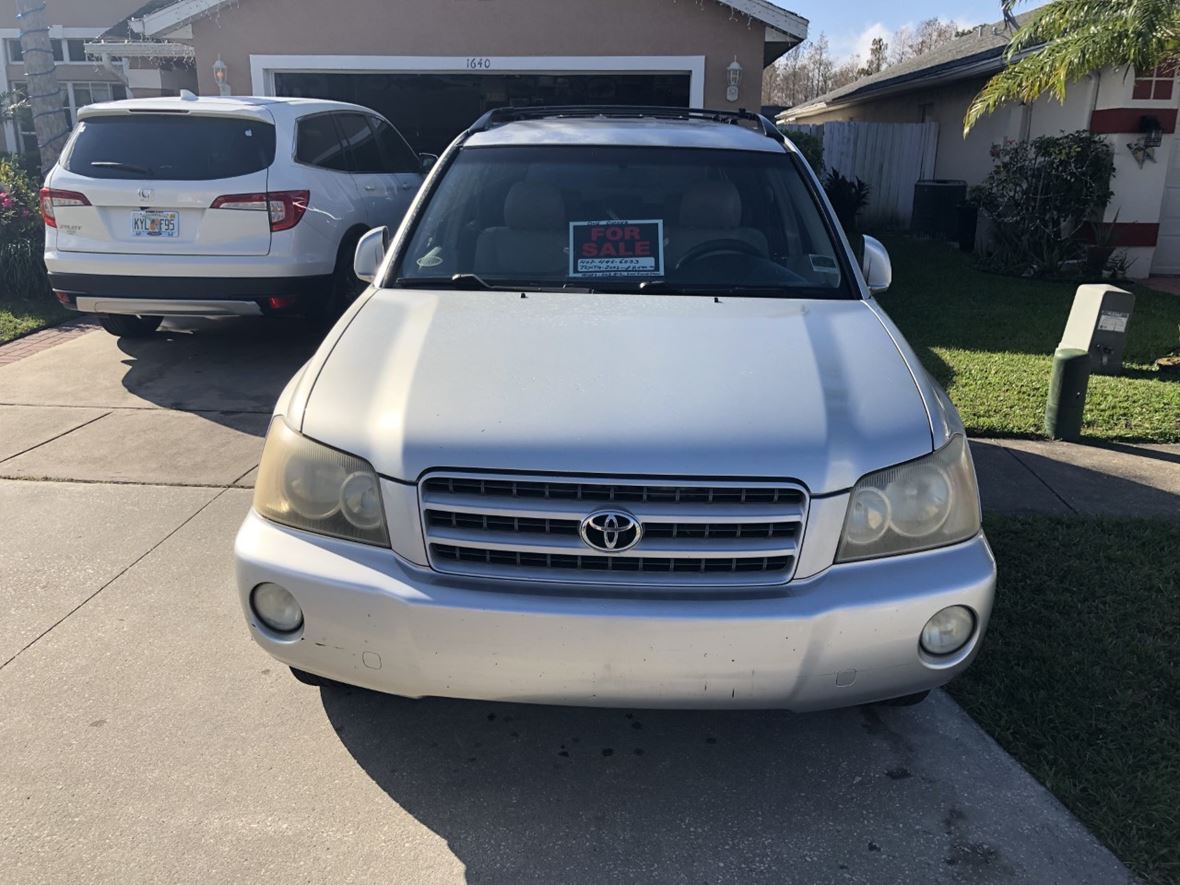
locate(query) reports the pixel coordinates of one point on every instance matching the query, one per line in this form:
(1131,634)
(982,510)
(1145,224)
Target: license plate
(155,223)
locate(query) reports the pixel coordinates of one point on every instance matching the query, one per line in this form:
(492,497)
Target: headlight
(309,486)
(927,503)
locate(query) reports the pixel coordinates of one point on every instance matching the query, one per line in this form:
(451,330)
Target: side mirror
(370,252)
(428,161)
(877,267)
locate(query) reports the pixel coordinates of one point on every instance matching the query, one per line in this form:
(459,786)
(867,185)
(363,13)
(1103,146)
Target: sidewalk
(1056,478)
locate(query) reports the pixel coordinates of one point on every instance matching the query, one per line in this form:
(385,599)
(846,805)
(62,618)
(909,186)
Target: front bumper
(846,636)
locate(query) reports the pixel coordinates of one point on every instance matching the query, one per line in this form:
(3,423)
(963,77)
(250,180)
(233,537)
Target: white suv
(219,206)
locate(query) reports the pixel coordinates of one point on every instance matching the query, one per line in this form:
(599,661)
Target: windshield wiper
(663,287)
(115,164)
(467,282)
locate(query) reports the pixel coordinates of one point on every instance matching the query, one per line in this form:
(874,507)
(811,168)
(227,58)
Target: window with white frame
(75,94)
(71,50)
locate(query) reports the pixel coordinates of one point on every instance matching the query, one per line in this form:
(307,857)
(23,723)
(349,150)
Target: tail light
(51,200)
(286,208)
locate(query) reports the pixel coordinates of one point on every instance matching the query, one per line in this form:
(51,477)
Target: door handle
(370,187)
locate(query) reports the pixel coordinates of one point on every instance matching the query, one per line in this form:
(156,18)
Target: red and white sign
(617,248)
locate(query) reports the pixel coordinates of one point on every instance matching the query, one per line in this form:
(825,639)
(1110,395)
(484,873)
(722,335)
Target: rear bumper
(846,636)
(186,296)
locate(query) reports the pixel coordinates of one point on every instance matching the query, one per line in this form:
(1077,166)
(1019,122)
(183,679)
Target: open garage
(432,68)
(431,108)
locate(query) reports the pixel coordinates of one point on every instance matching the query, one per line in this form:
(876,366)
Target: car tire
(126,326)
(311,678)
(907,700)
(346,286)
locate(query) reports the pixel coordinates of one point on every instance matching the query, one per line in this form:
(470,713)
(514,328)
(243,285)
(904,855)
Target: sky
(851,25)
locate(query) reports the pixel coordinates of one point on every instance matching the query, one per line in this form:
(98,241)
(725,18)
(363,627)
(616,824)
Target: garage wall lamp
(220,76)
(734,75)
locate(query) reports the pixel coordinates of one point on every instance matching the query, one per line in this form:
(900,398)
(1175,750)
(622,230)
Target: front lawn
(990,339)
(21,312)
(1078,677)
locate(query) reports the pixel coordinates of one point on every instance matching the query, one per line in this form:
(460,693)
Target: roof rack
(512,115)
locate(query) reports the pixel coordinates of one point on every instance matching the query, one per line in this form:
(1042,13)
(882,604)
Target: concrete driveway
(146,739)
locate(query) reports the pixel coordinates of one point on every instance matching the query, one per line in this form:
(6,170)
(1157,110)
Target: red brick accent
(43,340)
(1125,121)
(1127,234)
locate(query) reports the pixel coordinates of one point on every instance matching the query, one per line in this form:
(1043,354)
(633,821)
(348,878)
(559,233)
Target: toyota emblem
(611,531)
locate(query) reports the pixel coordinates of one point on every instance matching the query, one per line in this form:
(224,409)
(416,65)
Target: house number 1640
(479,64)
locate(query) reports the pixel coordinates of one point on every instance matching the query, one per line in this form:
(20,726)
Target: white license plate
(155,223)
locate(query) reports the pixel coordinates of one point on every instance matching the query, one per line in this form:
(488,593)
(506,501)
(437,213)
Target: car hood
(644,385)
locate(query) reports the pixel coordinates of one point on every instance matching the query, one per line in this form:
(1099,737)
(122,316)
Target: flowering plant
(20,216)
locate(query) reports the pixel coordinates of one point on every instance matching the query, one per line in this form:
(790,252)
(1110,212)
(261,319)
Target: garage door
(431,109)
(1167,251)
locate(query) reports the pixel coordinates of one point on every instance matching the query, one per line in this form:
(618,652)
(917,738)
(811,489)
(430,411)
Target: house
(433,66)
(1137,111)
(84,77)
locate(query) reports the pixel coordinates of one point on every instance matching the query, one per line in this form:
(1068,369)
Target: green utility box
(1098,325)
(1067,394)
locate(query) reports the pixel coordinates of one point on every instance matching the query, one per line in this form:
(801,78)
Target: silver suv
(619,422)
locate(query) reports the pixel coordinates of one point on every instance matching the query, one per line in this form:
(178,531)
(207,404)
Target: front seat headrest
(531,205)
(711,205)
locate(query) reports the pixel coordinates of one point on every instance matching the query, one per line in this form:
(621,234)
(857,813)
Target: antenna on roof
(185,95)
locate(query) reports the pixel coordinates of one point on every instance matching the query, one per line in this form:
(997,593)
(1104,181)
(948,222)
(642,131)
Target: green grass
(989,340)
(1079,676)
(25,308)
(21,315)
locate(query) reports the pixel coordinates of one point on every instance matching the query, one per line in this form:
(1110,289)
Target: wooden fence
(888,157)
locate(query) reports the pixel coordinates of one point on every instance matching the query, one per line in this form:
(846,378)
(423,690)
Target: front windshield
(618,219)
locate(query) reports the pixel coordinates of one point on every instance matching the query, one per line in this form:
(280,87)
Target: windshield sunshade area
(646,219)
(170,148)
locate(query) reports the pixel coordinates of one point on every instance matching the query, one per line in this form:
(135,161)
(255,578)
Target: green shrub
(22,234)
(848,196)
(1041,197)
(811,147)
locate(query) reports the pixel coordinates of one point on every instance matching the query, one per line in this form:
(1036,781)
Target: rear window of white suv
(170,148)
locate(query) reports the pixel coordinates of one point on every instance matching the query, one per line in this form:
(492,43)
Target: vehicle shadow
(219,368)
(527,794)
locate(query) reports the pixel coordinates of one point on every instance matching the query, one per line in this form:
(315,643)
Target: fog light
(276,608)
(948,631)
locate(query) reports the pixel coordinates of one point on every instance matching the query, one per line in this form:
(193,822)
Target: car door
(378,189)
(400,161)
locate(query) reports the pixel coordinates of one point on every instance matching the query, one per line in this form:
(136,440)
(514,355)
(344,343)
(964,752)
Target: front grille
(694,534)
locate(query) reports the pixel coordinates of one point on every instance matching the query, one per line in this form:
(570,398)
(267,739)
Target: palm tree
(1067,39)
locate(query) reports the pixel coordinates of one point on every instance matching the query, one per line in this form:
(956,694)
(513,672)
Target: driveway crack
(45,442)
(122,572)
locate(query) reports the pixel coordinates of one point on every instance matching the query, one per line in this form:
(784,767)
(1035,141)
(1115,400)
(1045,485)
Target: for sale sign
(617,248)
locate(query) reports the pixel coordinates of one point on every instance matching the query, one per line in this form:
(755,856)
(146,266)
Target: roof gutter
(980,67)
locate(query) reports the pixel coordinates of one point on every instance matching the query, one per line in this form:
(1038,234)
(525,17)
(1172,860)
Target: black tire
(907,700)
(346,286)
(310,678)
(126,326)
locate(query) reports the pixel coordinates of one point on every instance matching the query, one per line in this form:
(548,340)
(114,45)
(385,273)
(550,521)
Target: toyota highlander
(619,421)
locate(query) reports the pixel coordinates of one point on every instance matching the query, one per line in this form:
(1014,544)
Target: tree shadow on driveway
(218,367)
(527,793)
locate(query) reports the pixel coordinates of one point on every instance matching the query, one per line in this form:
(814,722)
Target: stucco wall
(482,28)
